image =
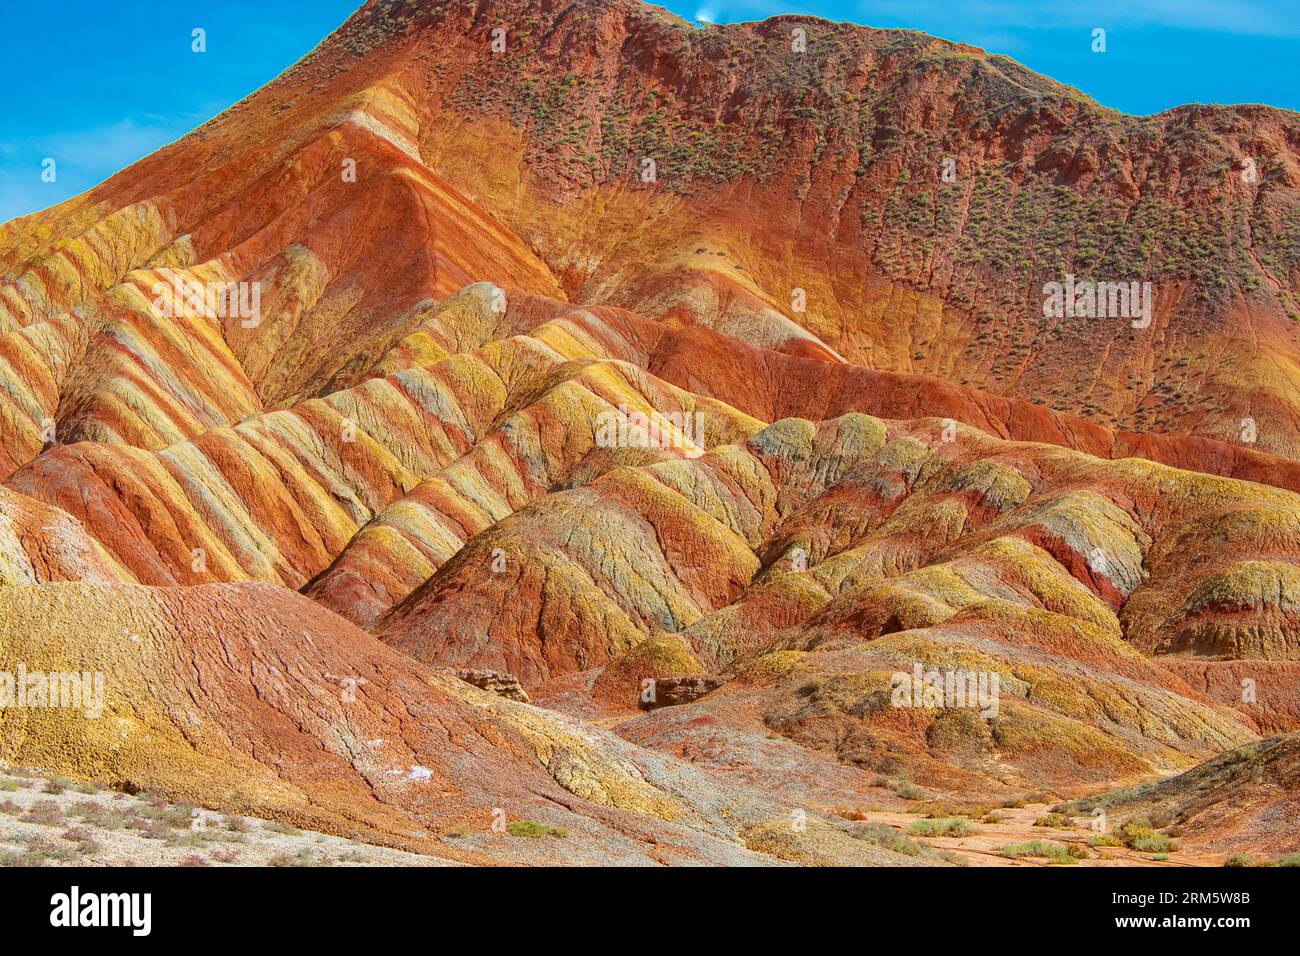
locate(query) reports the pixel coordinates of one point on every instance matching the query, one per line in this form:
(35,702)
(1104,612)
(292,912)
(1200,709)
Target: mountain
(573,342)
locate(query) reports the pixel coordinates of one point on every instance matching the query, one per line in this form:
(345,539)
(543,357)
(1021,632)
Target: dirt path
(983,848)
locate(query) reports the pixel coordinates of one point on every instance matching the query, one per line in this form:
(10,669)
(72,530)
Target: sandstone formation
(503,685)
(675,691)
(775,422)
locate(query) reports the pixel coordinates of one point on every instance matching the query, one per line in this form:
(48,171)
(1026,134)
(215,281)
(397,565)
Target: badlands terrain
(609,410)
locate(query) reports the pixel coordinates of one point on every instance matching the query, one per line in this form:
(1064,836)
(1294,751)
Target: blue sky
(97,84)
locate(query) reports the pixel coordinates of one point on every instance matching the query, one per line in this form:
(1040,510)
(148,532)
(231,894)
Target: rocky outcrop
(503,685)
(677,690)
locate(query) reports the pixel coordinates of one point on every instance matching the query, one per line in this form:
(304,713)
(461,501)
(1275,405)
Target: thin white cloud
(84,159)
(1251,17)
(107,147)
(994,17)
(24,194)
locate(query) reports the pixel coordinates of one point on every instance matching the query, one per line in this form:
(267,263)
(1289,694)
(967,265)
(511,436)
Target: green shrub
(1155,844)
(1052,852)
(1136,829)
(905,789)
(530,828)
(1052,820)
(41,848)
(883,835)
(951,827)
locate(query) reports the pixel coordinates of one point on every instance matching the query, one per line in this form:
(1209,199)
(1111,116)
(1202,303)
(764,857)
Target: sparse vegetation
(1106,839)
(301,858)
(885,836)
(124,829)
(903,787)
(44,812)
(530,828)
(1159,843)
(951,827)
(86,845)
(1054,853)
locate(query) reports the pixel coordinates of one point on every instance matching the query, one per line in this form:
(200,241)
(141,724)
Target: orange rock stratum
(696,387)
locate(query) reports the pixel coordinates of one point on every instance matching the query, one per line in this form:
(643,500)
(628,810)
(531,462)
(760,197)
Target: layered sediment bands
(879,527)
(797,204)
(345,241)
(799,201)
(1264,693)
(770,385)
(277,497)
(1013,559)
(779,406)
(40,544)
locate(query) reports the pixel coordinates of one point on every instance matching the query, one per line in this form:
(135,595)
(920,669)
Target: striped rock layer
(785,413)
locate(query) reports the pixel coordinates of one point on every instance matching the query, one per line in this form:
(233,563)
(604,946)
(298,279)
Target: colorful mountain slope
(247,696)
(1244,801)
(778,408)
(820,168)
